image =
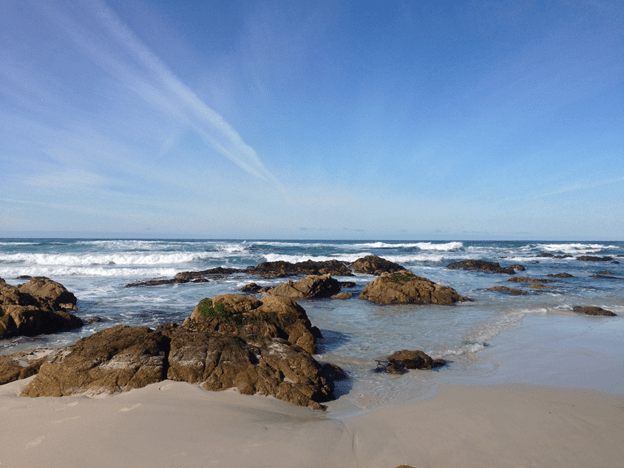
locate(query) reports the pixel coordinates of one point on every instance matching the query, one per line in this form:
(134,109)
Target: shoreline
(555,412)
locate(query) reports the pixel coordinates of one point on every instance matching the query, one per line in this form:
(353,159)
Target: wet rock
(400,361)
(524,279)
(280,269)
(598,275)
(591,258)
(373,265)
(347,284)
(592,310)
(404,287)
(539,286)
(517,267)
(37,307)
(560,275)
(254,288)
(482,265)
(114,360)
(310,287)
(510,291)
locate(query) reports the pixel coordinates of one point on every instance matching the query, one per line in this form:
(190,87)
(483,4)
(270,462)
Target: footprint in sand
(131,408)
(35,442)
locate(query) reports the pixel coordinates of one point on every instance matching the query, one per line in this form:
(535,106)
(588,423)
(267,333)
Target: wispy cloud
(124,56)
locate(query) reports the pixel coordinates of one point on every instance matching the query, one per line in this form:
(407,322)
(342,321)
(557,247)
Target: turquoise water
(356,332)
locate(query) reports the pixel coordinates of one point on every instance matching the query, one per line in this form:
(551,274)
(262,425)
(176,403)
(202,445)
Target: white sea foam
(448,246)
(316,258)
(64,270)
(575,248)
(127,258)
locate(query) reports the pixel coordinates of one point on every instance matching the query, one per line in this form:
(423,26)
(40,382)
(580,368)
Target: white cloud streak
(139,69)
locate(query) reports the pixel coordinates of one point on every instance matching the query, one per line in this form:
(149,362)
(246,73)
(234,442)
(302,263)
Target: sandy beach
(493,421)
(175,424)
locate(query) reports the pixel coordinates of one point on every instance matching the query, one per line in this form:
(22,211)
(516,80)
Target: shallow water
(356,332)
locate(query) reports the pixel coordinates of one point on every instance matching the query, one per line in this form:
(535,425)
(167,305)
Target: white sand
(175,424)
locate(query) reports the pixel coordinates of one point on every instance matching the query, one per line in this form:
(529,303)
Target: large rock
(244,316)
(36,307)
(373,265)
(265,366)
(310,287)
(258,347)
(482,265)
(280,269)
(404,287)
(114,360)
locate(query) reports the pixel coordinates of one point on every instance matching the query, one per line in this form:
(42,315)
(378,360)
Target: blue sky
(326,120)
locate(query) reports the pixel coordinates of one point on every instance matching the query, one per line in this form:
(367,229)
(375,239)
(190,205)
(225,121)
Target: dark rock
(93,319)
(591,310)
(524,279)
(511,291)
(254,288)
(347,284)
(517,267)
(280,269)
(482,265)
(373,265)
(333,372)
(37,307)
(545,255)
(310,287)
(404,287)
(400,361)
(590,258)
(560,275)
(606,277)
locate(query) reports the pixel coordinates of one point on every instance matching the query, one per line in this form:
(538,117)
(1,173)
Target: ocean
(356,332)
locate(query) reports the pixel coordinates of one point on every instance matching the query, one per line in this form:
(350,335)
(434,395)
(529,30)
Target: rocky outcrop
(280,269)
(262,366)
(310,287)
(404,287)
(592,310)
(114,360)
(400,362)
(245,316)
(373,265)
(482,265)
(37,307)
(560,275)
(510,291)
(202,276)
(230,341)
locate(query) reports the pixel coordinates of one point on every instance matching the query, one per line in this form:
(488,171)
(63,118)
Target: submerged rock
(524,279)
(560,275)
(37,307)
(404,287)
(592,310)
(482,265)
(400,361)
(511,291)
(373,265)
(592,258)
